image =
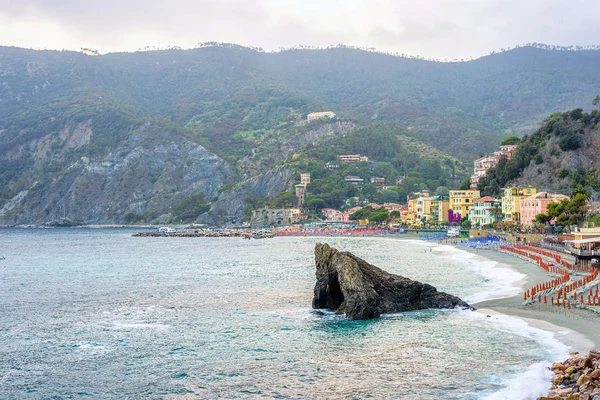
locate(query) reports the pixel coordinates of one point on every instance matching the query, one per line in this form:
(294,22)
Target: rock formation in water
(350,285)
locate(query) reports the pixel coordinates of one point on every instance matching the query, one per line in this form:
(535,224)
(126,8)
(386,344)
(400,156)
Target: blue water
(90,313)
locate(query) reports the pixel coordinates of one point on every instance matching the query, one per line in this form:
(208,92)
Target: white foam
(499,281)
(533,381)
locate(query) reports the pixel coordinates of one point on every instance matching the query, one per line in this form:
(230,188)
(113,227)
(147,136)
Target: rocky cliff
(350,285)
(151,170)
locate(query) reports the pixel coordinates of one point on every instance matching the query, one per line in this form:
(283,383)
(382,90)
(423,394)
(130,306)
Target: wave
(532,381)
(498,280)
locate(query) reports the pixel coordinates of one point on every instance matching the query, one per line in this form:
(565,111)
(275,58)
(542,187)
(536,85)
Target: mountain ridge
(233,100)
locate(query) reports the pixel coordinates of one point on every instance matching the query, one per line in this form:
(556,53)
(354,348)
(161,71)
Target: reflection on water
(96,313)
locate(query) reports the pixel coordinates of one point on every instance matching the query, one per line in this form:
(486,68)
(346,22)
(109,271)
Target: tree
(285,199)
(596,101)
(510,140)
(465,224)
(379,215)
(442,191)
(496,212)
(190,207)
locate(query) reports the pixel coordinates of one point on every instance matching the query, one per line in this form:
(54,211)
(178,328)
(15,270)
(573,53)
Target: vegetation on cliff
(560,155)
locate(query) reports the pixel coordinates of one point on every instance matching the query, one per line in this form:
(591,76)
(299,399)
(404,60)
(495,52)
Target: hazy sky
(445,29)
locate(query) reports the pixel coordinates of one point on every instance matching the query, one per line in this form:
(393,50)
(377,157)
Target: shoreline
(576,328)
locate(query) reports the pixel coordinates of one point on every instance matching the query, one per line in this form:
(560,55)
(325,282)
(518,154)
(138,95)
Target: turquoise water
(98,314)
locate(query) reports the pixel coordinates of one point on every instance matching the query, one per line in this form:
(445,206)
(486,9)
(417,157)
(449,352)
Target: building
(267,217)
(439,209)
(393,207)
(352,158)
(331,166)
(585,246)
(320,115)
(537,204)
(400,179)
(511,202)
(461,201)
(355,180)
(332,215)
(300,194)
(480,213)
(305,179)
(424,209)
(379,181)
(481,165)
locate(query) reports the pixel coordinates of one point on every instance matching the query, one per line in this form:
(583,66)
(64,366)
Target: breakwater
(576,378)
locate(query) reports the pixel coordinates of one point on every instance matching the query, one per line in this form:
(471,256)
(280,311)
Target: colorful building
(537,204)
(333,215)
(439,209)
(480,213)
(481,165)
(461,201)
(511,202)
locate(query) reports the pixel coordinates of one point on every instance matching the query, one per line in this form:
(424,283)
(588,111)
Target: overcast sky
(442,29)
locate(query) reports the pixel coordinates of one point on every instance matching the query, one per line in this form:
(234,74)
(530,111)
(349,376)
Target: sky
(428,28)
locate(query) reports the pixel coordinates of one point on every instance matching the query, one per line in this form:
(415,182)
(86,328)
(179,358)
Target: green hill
(246,109)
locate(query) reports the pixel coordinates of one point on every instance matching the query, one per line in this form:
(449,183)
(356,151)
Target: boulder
(350,285)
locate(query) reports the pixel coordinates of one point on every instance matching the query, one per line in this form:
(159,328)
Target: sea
(99,314)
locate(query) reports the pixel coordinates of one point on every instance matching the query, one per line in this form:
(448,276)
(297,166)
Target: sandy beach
(577,328)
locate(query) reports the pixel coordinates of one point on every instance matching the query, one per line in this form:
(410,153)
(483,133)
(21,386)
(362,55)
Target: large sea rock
(350,285)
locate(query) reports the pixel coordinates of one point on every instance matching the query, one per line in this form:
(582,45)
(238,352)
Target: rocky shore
(577,378)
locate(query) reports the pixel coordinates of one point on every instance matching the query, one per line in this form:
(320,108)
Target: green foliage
(465,224)
(570,141)
(510,140)
(377,215)
(496,212)
(132,218)
(568,127)
(285,199)
(563,173)
(565,213)
(190,207)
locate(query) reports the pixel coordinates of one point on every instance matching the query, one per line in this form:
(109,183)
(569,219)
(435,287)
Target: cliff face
(548,176)
(146,174)
(350,285)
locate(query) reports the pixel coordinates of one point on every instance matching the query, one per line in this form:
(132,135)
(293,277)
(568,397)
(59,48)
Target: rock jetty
(578,378)
(350,285)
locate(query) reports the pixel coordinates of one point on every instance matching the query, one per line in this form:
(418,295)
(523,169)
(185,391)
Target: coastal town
(515,210)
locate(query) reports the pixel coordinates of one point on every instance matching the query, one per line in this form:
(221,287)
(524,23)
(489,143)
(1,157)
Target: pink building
(537,204)
(331,214)
(481,165)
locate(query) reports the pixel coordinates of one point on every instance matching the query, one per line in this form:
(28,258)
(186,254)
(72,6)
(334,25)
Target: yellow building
(411,215)
(426,209)
(439,209)
(462,200)
(511,202)
(424,205)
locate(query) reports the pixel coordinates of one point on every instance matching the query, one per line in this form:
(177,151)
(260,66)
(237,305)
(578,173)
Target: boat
(2,258)
(166,229)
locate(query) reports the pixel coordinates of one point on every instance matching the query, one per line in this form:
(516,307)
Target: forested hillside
(246,110)
(562,155)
